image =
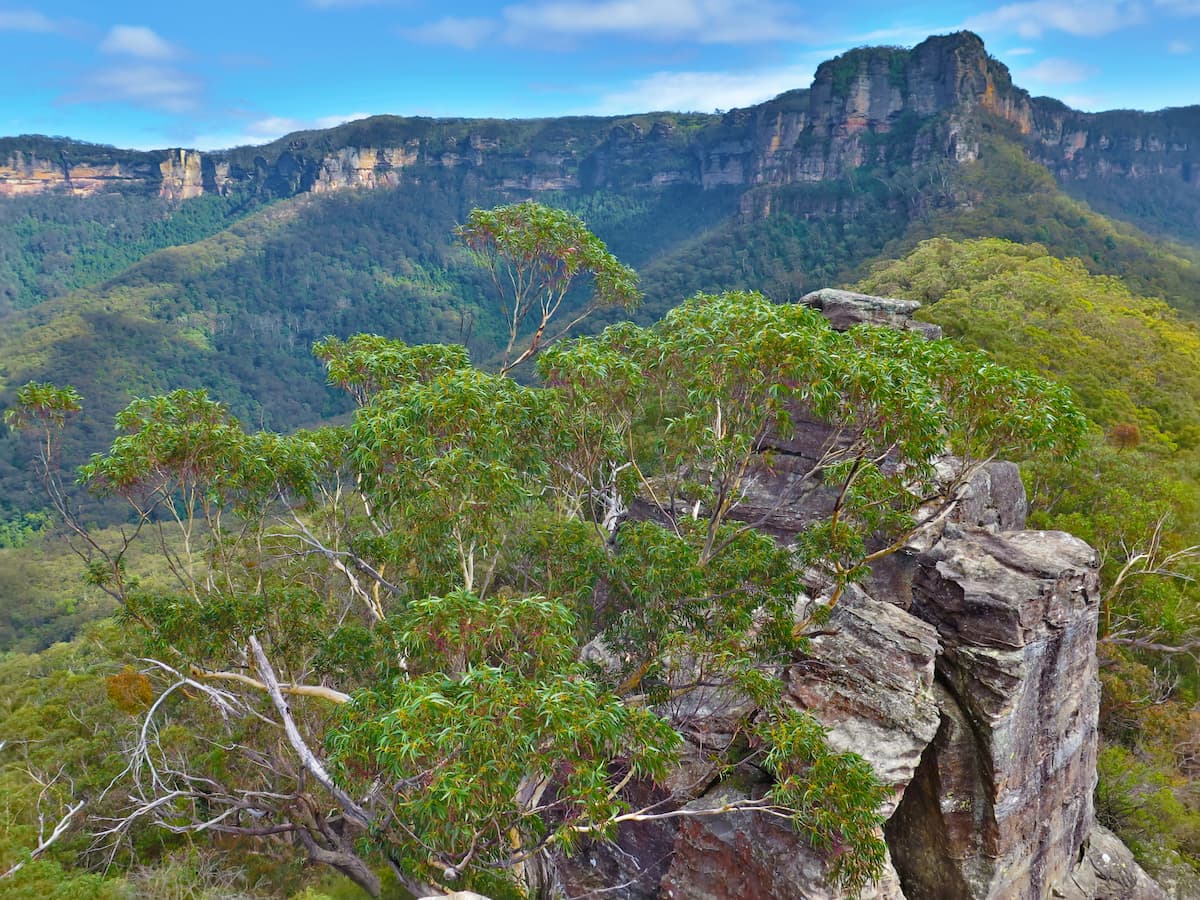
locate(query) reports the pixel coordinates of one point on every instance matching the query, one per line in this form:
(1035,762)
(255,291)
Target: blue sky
(220,74)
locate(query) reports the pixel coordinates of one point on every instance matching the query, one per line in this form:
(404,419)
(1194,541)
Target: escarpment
(964,670)
(904,109)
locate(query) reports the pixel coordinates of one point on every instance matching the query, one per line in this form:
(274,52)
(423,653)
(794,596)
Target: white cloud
(697,21)
(154,87)
(1179,47)
(1076,17)
(1087,102)
(466,34)
(139,41)
(904,35)
(702,21)
(1057,71)
(703,91)
(277,126)
(26,20)
(1020,51)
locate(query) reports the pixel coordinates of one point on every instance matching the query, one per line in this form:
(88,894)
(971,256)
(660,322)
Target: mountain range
(129,272)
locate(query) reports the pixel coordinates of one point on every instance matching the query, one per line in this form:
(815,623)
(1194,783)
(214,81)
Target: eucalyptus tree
(535,254)
(448,637)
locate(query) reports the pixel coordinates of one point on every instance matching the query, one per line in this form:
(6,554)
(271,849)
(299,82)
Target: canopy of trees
(435,642)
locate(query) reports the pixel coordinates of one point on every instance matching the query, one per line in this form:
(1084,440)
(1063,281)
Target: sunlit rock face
(904,109)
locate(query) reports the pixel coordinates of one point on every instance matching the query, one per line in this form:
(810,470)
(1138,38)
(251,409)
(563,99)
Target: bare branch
(59,830)
(314,765)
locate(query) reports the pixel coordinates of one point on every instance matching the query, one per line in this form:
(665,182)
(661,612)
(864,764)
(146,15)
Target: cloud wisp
(1057,71)
(27,20)
(269,128)
(1034,19)
(703,91)
(694,21)
(137,41)
(453,31)
(149,86)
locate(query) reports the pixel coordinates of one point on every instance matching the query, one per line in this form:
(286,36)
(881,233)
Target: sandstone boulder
(869,680)
(743,856)
(845,309)
(1002,801)
(1107,871)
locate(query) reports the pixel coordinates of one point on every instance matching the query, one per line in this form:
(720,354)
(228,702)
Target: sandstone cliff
(902,108)
(965,672)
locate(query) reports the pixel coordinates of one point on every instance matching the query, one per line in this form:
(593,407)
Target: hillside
(348,229)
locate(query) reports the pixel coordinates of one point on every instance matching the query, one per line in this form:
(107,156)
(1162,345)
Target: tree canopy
(445,639)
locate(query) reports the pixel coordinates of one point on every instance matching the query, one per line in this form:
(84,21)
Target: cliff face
(1120,144)
(873,105)
(964,671)
(27,173)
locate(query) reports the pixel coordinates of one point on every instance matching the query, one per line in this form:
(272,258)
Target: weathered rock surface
(869,680)
(1002,801)
(742,856)
(1107,872)
(845,309)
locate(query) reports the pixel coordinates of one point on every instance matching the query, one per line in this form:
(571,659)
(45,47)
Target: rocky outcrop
(742,856)
(1002,802)
(1122,144)
(23,173)
(844,309)
(884,710)
(84,170)
(964,670)
(182,175)
(1107,871)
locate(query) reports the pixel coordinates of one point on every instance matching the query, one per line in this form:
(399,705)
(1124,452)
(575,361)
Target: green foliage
(1151,810)
(1128,358)
(1005,195)
(836,797)
(49,247)
(19,530)
(504,648)
(534,253)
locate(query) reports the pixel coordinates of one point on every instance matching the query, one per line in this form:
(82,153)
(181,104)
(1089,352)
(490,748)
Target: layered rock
(1107,871)
(26,173)
(1122,144)
(965,673)
(1002,802)
(743,856)
(844,309)
(182,175)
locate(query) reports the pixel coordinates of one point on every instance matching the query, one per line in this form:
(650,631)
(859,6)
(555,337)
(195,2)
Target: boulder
(744,856)
(845,309)
(869,680)
(1107,871)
